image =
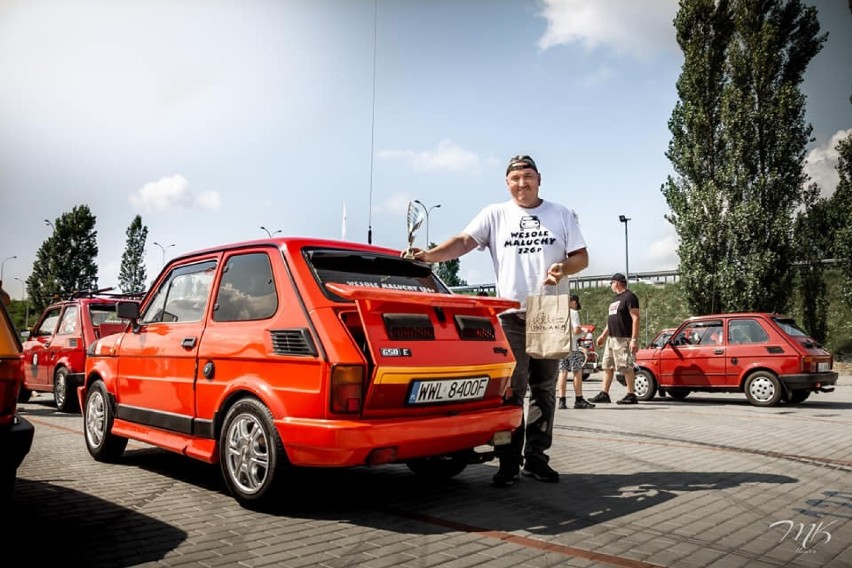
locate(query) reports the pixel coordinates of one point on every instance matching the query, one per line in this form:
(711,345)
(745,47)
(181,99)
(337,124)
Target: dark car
(16,433)
(766,356)
(55,351)
(267,355)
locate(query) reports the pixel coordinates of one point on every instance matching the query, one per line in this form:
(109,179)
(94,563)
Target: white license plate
(822,366)
(448,390)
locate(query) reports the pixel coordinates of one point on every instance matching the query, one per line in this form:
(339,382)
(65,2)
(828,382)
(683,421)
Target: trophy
(415,219)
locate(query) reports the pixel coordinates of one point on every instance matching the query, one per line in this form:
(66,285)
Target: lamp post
(50,224)
(624,219)
(163,249)
(427,210)
(23,295)
(270,233)
(3,265)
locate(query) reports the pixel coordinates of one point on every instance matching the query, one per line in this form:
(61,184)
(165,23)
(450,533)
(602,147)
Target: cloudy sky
(213,118)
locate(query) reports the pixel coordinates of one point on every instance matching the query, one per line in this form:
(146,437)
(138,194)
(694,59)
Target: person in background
(573,362)
(533,242)
(622,339)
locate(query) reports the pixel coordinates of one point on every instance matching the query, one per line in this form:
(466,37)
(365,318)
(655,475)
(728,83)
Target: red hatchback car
(766,356)
(55,352)
(269,354)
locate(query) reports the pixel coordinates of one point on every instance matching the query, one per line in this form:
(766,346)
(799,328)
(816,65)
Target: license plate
(448,390)
(822,366)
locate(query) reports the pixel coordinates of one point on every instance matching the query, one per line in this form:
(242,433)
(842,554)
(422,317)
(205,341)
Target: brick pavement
(694,483)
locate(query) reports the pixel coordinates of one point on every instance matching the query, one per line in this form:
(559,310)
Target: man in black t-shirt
(622,335)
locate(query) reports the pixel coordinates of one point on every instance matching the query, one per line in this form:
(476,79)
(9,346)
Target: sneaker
(506,476)
(629,398)
(562,404)
(541,471)
(601,397)
(583,403)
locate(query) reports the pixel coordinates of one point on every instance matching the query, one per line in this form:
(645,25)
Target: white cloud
(637,29)
(448,156)
(663,252)
(821,164)
(172,191)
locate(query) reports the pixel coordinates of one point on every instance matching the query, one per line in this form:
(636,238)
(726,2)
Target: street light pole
(23,295)
(624,219)
(427,210)
(3,265)
(163,249)
(270,233)
(50,224)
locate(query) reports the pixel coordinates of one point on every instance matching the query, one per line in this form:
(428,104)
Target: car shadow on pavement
(59,526)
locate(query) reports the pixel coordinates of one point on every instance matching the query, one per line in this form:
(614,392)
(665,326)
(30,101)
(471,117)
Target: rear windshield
(370,270)
(790,328)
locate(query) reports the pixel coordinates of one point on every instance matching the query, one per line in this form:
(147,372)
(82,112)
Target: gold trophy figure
(415,219)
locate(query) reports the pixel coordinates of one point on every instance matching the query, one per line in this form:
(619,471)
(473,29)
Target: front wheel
(62,395)
(645,386)
(97,423)
(798,396)
(251,454)
(439,467)
(763,389)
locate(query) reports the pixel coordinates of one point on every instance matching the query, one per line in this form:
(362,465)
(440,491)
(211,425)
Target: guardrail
(656,278)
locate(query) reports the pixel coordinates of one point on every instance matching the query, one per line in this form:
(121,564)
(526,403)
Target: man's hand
(554,274)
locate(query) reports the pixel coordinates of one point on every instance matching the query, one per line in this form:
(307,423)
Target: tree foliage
(841,211)
(132,276)
(738,148)
(448,271)
(65,262)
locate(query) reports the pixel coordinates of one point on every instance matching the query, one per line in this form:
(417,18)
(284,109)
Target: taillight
(347,388)
(808,365)
(8,397)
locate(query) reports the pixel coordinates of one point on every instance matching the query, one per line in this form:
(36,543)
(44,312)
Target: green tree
(65,262)
(812,242)
(841,208)
(738,148)
(449,271)
(131,278)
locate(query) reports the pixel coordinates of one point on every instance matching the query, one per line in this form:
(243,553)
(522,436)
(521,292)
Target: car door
(694,357)
(747,343)
(158,360)
(37,365)
(67,339)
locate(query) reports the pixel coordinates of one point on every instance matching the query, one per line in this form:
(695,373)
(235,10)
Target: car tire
(251,454)
(25,394)
(645,386)
(439,467)
(678,393)
(98,418)
(62,395)
(798,396)
(586,376)
(762,388)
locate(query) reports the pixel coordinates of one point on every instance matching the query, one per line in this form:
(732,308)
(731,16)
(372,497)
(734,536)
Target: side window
(183,296)
(247,289)
(70,321)
(700,333)
(48,324)
(746,331)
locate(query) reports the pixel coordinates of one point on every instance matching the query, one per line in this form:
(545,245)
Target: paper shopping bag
(549,326)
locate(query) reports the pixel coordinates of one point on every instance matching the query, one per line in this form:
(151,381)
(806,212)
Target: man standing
(573,363)
(532,242)
(622,335)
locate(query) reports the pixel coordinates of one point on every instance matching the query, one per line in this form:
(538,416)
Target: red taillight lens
(8,397)
(347,388)
(808,365)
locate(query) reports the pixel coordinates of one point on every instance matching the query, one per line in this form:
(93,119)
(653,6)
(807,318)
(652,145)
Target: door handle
(188,342)
(719,352)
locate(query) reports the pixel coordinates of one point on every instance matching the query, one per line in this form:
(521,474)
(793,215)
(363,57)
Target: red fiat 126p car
(288,352)
(765,356)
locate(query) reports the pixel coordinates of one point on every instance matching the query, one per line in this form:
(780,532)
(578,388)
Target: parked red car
(283,352)
(765,356)
(55,351)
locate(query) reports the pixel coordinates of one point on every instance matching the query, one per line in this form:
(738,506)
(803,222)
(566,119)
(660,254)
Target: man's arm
(574,262)
(450,249)
(634,332)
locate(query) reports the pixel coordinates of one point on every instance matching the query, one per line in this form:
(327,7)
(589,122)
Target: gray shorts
(617,354)
(573,362)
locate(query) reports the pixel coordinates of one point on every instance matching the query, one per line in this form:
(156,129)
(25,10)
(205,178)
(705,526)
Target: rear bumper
(809,380)
(341,443)
(16,441)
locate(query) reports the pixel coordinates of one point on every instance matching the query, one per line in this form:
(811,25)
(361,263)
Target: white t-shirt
(524,243)
(575,323)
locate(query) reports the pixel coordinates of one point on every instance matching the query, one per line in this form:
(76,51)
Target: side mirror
(127,309)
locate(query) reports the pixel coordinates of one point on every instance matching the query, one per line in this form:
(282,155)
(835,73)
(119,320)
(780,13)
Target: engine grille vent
(474,328)
(293,342)
(409,327)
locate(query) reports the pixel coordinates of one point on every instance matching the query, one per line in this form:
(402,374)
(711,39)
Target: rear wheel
(24,394)
(763,389)
(251,454)
(97,423)
(645,386)
(62,395)
(798,396)
(678,394)
(440,467)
